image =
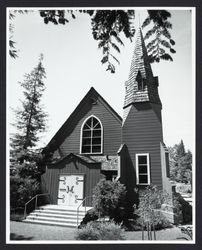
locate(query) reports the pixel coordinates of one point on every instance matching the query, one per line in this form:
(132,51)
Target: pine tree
(30,118)
(180,150)
(24,156)
(180,163)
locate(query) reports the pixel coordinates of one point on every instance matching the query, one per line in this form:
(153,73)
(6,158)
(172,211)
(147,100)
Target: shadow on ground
(19,237)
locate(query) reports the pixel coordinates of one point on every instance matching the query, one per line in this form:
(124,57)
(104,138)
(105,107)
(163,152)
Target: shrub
(107,197)
(91,215)
(159,222)
(110,231)
(100,231)
(183,188)
(184,208)
(87,233)
(17,216)
(21,191)
(150,203)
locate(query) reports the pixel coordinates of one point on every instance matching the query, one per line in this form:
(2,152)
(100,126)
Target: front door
(70,189)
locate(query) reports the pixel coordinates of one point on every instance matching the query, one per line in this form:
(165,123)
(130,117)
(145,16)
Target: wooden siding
(142,133)
(91,172)
(111,129)
(165,165)
(128,175)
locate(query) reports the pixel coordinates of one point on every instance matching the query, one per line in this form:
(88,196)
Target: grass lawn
(25,231)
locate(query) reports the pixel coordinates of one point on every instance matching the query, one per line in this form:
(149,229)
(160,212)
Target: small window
(141,84)
(167,164)
(91,140)
(142,169)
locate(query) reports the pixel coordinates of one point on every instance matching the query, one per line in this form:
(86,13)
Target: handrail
(84,200)
(35,197)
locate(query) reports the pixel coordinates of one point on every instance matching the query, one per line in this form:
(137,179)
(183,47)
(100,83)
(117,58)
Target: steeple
(141,85)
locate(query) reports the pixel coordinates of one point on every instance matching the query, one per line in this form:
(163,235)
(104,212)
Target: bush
(87,233)
(184,208)
(16,216)
(100,231)
(110,231)
(91,215)
(151,201)
(159,222)
(21,191)
(183,188)
(107,197)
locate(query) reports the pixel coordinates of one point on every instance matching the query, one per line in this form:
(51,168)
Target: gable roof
(108,163)
(56,140)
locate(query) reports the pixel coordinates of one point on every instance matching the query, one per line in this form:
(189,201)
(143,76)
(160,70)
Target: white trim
(137,169)
(81,135)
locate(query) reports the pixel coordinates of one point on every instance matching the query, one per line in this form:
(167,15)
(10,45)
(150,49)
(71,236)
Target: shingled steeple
(141,85)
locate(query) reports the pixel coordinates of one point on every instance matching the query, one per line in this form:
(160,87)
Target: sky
(72,64)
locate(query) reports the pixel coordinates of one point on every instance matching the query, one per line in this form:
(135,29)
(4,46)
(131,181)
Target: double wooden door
(71,187)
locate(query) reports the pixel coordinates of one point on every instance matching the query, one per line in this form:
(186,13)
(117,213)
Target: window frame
(148,169)
(81,136)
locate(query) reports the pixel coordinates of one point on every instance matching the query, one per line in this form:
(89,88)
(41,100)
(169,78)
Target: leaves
(146,22)
(180,163)
(172,42)
(30,117)
(159,35)
(166,57)
(56,16)
(107,195)
(104,59)
(151,200)
(115,47)
(108,26)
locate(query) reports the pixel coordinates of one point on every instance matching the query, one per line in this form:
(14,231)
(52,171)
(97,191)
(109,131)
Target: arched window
(91,136)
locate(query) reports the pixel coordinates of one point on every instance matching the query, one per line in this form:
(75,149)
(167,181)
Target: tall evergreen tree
(30,118)
(180,150)
(180,163)
(25,158)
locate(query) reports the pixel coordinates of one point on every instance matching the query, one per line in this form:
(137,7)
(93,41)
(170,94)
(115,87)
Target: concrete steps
(56,215)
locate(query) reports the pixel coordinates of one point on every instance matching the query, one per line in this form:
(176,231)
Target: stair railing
(36,200)
(83,201)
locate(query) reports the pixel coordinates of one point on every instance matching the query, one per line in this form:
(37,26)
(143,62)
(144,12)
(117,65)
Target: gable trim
(56,139)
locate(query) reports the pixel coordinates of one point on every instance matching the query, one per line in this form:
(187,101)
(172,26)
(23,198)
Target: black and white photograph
(100,125)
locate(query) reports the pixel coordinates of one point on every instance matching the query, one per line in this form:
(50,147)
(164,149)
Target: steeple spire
(141,86)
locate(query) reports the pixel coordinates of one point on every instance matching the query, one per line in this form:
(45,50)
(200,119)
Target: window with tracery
(91,136)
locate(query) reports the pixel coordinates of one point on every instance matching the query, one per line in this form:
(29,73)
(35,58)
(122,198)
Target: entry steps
(56,215)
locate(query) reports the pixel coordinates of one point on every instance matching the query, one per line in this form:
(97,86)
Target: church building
(96,143)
